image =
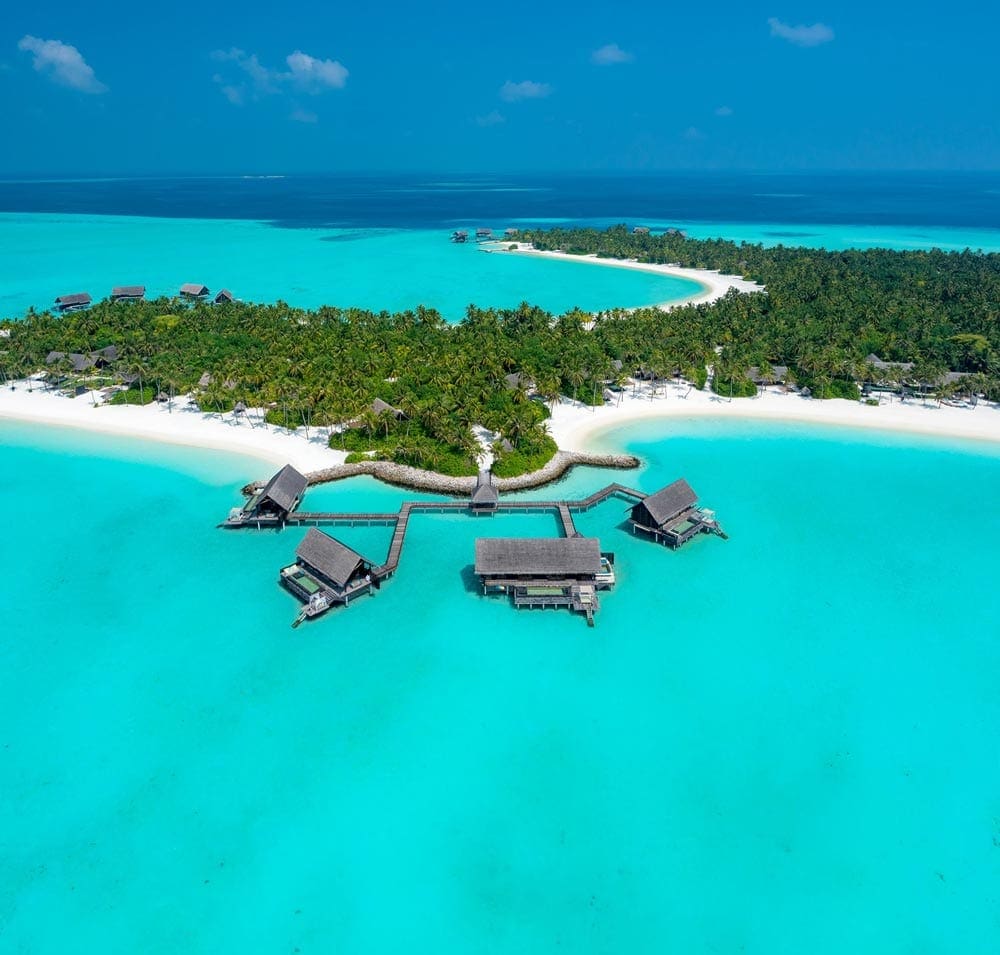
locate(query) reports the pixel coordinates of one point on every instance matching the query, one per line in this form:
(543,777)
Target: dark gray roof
(548,557)
(224,295)
(334,560)
(108,352)
(285,488)
(516,380)
(128,291)
(205,380)
(379,407)
(192,288)
(778,372)
(670,501)
(79,362)
(484,492)
(877,362)
(77,298)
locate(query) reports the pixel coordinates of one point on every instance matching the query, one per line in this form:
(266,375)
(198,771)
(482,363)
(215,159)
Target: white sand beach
(714,284)
(576,427)
(183,423)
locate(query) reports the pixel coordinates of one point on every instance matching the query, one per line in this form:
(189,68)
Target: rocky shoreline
(416,479)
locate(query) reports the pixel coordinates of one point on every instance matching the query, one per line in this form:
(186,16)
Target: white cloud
(314,74)
(64,63)
(305,73)
(512,92)
(610,54)
(724,111)
(801,35)
(494,118)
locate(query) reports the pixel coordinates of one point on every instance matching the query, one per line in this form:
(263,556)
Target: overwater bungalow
(542,572)
(326,572)
(128,293)
(193,290)
(223,296)
(511,233)
(274,501)
(485,496)
(74,302)
(484,235)
(672,515)
(459,235)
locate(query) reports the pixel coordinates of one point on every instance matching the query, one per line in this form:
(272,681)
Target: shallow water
(784,742)
(393,269)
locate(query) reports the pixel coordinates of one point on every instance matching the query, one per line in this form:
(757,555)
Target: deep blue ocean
(970,200)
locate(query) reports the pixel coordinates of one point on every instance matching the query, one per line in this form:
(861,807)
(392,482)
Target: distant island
(411,389)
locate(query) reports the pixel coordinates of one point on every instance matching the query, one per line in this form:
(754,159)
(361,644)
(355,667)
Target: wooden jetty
(565,571)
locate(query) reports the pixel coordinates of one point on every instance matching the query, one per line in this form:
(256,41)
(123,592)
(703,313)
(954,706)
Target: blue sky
(115,87)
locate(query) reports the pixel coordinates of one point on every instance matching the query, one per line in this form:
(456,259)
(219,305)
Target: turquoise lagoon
(782,743)
(393,269)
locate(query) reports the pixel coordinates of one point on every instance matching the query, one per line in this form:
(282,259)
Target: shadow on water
(469,579)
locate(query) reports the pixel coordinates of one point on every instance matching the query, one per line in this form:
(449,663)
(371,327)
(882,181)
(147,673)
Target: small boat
(606,578)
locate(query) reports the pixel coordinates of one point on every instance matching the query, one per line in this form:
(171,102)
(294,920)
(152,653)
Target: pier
(567,574)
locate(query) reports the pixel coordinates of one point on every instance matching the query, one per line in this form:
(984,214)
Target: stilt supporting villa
(672,515)
(542,572)
(326,572)
(273,503)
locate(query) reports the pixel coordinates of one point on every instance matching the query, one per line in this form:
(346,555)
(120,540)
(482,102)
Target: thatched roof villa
(672,515)
(73,302)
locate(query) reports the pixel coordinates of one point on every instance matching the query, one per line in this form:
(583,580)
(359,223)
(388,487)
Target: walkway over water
(401,520)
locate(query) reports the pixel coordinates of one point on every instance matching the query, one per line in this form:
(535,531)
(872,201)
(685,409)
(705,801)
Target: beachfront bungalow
(485,496)
(511,233)
(275,500)
(640,230)
(74,302)
(128,293)
(777,376)
(326,572)
(672,515)
(193,291)
(380,407)
(223,297)
(517,381)
(542,572)
(77,362)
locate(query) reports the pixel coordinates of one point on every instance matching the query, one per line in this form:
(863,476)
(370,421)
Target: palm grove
(822,314)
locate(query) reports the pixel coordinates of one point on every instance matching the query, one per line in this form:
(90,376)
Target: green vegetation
(133,396)
(822,314)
